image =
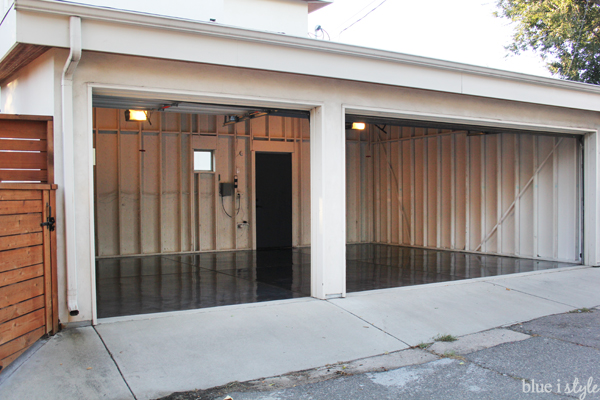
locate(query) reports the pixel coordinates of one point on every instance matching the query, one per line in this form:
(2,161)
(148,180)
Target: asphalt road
(558,359)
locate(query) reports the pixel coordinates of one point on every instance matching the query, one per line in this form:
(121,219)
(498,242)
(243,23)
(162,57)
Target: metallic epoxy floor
(141,285)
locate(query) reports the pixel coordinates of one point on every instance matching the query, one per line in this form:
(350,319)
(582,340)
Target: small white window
(203,160)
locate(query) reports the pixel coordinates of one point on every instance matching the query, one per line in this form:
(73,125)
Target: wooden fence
(28,282)
(27,149)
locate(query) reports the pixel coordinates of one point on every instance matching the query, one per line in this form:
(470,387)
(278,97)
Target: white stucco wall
(8,32)
(199,10)
(31,91)
(287,16)
(283,16)
(4,6)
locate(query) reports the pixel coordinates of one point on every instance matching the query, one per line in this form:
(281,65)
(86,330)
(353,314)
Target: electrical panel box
(226,189)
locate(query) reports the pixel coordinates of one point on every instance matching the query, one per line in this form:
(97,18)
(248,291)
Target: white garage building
(454,157)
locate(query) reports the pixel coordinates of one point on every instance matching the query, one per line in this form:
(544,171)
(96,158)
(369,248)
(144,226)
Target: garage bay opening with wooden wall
(150,200)
(514,194)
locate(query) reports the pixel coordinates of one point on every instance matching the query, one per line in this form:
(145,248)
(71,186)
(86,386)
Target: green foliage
(566,33)
(445,338)
(581,310)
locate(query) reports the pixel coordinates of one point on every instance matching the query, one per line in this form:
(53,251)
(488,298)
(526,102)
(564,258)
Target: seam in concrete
(367,322)
(21,360)
(115,362)
(497,372)
(556,338)
(569,342)
(514,376)
(533,295)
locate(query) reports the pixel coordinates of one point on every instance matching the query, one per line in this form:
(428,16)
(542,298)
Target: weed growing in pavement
(452,354)
(445,338)
(581,310)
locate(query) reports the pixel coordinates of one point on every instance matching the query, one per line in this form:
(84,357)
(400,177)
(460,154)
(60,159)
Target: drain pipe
(69,165)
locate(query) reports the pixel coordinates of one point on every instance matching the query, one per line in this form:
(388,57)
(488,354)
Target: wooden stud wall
(506,194)
(150,201)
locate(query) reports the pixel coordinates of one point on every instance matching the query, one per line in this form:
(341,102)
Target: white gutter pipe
(69,167)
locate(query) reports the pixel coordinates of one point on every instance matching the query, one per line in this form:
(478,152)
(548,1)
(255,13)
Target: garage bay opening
(180,211)
(432,202)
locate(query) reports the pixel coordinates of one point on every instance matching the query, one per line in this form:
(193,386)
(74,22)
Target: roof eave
(249,35)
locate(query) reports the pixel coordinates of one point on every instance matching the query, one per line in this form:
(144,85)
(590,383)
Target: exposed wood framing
(177,209)
(407,187)
(493,193)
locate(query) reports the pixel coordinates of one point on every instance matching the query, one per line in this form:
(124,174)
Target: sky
(465,31)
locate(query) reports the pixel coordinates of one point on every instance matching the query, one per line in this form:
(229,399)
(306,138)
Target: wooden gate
(28,282)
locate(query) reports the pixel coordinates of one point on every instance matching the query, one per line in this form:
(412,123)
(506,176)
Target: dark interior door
(273,200)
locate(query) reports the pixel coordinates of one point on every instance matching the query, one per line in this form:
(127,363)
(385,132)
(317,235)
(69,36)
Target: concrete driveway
(152,356)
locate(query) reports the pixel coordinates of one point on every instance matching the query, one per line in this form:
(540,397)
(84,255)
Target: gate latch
(50,221)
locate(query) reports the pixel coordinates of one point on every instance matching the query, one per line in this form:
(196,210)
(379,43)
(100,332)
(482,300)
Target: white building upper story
(56,56)
(281,16)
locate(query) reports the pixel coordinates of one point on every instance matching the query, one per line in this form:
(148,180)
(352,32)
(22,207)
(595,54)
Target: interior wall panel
(366,195)
(475,199)
(568,195)
(150,204)
(446,173)
(460,193)
(526,187)
(304,183)
(419,200)
(149,200)
(545,198)
(170,186)
(352,191)
(394,217)
(108,192)
(431,186)
(130,195)
(509,194)
(407,190)
(490,185)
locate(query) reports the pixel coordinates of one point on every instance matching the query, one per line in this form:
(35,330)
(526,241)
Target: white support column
(328,202)
(536,207)
(591,223)
(517,234)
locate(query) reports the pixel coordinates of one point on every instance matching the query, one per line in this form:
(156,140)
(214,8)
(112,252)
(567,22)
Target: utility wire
(355,14)
(363,17)
(238,198)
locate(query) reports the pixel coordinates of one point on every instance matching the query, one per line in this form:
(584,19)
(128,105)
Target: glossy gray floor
(141,285)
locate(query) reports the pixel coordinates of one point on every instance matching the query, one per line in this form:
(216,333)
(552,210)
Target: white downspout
(69,165)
